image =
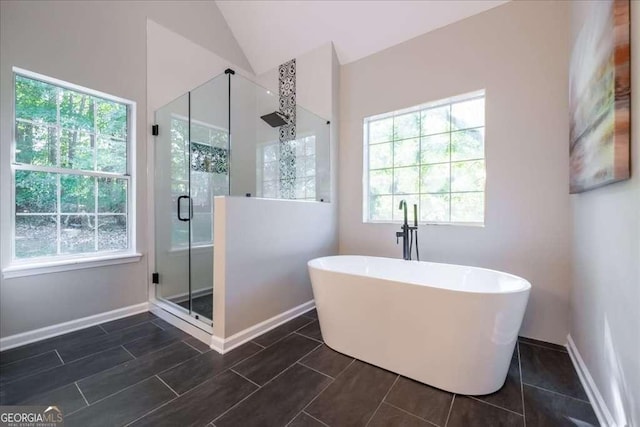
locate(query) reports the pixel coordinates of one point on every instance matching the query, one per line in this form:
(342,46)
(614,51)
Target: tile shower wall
(287,91)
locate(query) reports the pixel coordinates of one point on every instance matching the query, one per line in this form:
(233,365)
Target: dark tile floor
(202,305)
(142,371)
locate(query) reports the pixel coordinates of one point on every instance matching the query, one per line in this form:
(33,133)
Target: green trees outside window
(70,172)
(431,155)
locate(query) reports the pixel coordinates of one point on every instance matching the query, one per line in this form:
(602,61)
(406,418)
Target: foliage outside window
(71,172)
(270,175)
(431,155)
(204,165)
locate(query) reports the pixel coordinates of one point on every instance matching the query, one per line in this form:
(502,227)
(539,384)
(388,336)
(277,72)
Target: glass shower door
(173,206)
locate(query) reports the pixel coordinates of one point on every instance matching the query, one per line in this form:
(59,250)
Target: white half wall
(605,318)
(262,250)
(518,53)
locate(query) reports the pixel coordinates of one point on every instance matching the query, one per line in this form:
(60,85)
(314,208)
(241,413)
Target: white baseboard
(23,338)
(223,345)
(595,397)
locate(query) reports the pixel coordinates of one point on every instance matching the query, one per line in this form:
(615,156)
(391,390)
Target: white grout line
(321,373)
(311,338)
(450,408)
(385,396)
(239,374)
(259,345)
(409,413)
(59,357)
(103,329)
(542,346)
(81,393)
(185,341)
(318,395)
(311,416)
(125,349)
(264,385)
(557,393)
(168,386)
(524,414)
(494,405)
(25,358)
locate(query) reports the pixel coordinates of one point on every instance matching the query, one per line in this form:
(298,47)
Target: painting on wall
(600,97)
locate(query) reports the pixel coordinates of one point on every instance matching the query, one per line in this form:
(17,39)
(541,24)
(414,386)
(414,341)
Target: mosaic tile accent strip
(287,88)
(205,158)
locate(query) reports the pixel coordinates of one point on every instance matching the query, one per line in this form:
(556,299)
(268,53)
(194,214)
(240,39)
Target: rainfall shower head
(275,119)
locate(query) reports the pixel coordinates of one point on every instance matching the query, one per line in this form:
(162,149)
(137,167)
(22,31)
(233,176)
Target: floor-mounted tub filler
(449,326)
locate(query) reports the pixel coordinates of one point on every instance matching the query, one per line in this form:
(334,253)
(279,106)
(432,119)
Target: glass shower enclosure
(213,141)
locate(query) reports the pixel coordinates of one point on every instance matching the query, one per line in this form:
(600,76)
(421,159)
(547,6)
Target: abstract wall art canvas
(600,97)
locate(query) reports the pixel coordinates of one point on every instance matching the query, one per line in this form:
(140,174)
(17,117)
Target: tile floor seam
(383,398)
(238,373)
(264,385)
(556,392)
(410,413)
(151,411)
(259,345)
(25,358)
(494,405)
(168,386)
(118,391)
(311,338)
(322,391)
(321,373)
(115,346)
(524,412)
(81,393)
(214,376)
(103,329)
(66,364)
(167,344)
(311,416)
(185,341)
(159,326)
(453,399)
(276,327)
(543,347)
(59,357)
(128,352)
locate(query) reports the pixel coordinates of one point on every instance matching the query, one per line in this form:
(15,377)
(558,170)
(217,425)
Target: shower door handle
(190,208)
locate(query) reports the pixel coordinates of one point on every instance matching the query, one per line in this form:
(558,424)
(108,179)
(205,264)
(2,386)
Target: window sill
(32,269)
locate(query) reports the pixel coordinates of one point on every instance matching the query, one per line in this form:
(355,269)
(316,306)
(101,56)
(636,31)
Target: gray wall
(100,45)
(605,319)
(519,53)
(262,250)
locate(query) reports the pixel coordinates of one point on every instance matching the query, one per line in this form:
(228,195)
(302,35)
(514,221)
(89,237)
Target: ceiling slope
(273,31)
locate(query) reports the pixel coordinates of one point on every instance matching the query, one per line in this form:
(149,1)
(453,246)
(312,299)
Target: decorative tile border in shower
(287,91)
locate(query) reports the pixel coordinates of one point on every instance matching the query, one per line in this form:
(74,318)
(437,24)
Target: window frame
(469,96)
(37,265)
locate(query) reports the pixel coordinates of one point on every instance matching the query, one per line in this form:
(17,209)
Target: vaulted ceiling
(273,31)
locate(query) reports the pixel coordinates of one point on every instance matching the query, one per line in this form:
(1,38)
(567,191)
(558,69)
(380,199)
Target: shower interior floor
(202,305)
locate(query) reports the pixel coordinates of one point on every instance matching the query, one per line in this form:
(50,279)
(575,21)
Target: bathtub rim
(527,288)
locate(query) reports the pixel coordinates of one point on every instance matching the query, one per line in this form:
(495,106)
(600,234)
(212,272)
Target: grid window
(431,155)
(72,184)
(271,177)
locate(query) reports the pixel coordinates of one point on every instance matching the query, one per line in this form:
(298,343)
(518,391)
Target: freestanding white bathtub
(449,326)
